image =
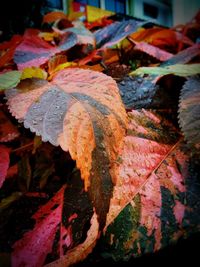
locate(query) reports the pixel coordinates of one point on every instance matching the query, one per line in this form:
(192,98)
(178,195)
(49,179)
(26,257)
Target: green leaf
(9,79)
(6,202)
(178,69)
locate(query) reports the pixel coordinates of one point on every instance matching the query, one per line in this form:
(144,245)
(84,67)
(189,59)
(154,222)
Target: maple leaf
(189,110)
(4,163)
(76,106)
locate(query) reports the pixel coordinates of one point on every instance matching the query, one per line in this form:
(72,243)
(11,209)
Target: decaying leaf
(189,111)
(4,163)
(77,106)
(8,131)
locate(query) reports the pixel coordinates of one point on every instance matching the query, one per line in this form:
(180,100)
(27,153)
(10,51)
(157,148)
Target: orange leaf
(53,16)
(77,106)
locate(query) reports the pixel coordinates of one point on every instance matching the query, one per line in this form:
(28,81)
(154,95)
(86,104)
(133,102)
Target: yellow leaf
(33,72)
(48,36)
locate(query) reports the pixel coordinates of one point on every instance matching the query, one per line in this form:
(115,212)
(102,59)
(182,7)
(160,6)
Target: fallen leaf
(33,51)
(68,112)
(114,33)
(33,72)
(189,112)
(53,16)
(34,246)
(177,69)
(4,163)
(9,79)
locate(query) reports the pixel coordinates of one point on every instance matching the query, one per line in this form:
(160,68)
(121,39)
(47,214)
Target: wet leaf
(137,92)
(34,246)
(4,163)
(189,112)
(68,112)
(150,201)
(177,69)
(116,32)
(8,131)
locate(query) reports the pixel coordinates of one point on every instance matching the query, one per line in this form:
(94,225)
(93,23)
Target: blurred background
(16,16)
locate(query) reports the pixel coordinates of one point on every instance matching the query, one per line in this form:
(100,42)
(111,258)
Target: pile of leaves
(100,140)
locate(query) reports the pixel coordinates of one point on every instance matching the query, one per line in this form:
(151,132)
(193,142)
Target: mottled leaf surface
(77,106)
(9,79)
(114,33)
(153,201)
(189,111)
(4,163)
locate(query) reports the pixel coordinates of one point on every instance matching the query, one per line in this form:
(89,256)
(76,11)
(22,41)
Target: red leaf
(4,163)
(152,51)
(32,249)
(34,51)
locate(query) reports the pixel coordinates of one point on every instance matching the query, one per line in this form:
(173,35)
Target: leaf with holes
(77,106)
(189,112)
(152,202)
(4,163)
